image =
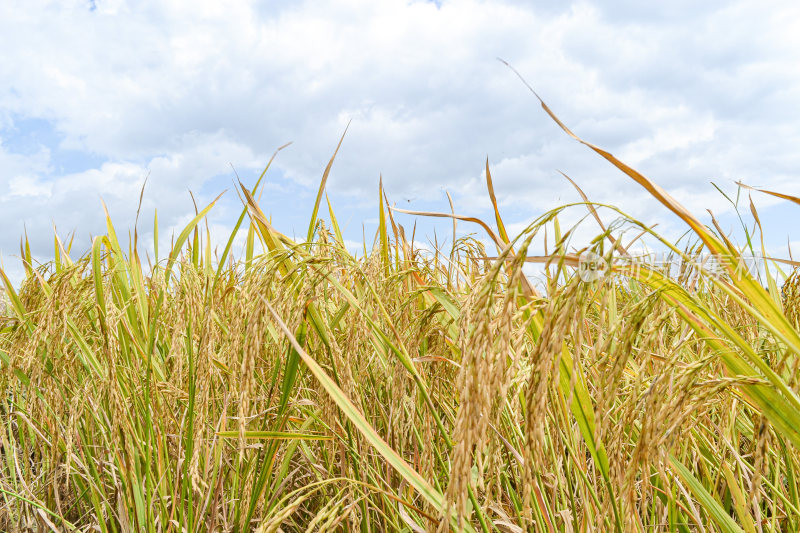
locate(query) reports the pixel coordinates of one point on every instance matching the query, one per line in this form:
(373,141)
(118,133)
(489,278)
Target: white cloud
(689,93)
(29,186)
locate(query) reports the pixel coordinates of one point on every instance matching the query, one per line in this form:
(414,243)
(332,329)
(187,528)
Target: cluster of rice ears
(304,388)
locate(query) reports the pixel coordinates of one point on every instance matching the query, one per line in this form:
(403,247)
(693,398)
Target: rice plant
(300,387)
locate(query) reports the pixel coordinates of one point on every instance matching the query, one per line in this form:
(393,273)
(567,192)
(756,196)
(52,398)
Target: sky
(97,96)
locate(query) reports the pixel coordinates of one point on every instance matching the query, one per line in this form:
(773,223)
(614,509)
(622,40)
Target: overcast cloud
(95,96)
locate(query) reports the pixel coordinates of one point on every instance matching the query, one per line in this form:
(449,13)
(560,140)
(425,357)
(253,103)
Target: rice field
(300,387)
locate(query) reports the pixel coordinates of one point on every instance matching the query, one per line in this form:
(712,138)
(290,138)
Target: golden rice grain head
(791,298)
